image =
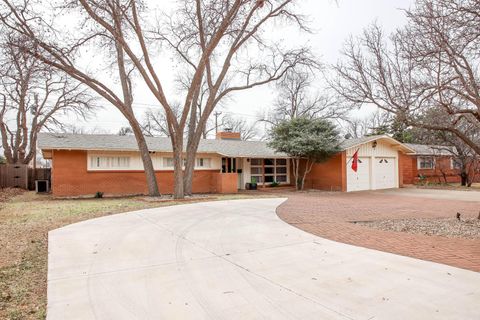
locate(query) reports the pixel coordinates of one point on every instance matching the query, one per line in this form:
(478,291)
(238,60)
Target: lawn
(26,218)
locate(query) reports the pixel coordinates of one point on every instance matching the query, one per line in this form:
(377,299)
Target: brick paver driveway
(329,215)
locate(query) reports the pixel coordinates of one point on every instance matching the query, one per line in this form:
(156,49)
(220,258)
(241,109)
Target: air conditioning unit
(42,186)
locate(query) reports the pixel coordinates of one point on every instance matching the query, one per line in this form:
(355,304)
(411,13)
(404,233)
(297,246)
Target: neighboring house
(431,163)
(85,164)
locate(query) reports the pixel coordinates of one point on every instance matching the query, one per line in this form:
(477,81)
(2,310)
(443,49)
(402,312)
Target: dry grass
(26,218)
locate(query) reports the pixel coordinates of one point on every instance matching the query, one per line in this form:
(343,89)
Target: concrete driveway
(457,195)
(238,260)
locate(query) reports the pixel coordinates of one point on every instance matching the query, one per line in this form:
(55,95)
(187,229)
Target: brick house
(433,164)
(85,164)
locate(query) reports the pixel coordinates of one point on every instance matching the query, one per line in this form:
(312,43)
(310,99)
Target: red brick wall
(406,166)
(70,177)
(442,164)
(227,182)
(411,172)
(329,175)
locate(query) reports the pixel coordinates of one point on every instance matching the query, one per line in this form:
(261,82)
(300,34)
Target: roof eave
(395,143)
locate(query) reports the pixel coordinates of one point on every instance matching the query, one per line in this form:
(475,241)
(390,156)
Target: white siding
(376,180)
(135,162)
(382,149)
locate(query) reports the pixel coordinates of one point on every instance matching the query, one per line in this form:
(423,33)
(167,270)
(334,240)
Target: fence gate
(14,175)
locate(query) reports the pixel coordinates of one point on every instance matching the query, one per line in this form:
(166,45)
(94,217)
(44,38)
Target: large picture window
(103,162)
(269,170)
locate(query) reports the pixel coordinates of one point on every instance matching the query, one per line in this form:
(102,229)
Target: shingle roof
(424,149)
(228,148)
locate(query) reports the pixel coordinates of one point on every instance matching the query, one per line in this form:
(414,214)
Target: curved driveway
(237,260)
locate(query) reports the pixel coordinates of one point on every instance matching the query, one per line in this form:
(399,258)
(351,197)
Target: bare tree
(213,39)
(376,123)
(210,39)
(125,131)
(76,129)
(297,97)
(33,97)
(467,161)
(429,66)
(102,24)
(155,124)
(248,131)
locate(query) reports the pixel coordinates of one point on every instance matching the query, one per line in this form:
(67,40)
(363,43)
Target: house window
(203,162)
(256,162)
(101,162)
(455,164)
(426,163)
(269,170)
(168,162)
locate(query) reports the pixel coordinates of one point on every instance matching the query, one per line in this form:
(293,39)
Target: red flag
(355,161)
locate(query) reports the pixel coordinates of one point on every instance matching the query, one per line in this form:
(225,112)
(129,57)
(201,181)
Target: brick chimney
(228,135)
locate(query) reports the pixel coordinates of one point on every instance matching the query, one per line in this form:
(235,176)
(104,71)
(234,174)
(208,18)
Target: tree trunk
(192,146)
(464,177)
(146,160)
(177,144)
(308,168)
(296,166)
(189,168)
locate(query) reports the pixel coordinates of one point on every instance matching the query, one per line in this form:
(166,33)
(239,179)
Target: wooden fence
(21,176)
(14,175)
(37,174)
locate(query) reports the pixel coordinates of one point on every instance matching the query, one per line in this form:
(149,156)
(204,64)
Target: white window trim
(113,161)
(196,165)
(207,163)
(419,161)
(274,174)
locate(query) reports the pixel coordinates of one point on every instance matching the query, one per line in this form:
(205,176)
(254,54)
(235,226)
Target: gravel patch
(446,227)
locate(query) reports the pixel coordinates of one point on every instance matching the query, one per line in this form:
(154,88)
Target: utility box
(42,186)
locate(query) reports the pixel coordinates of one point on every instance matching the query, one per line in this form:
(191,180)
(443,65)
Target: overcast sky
(333,22)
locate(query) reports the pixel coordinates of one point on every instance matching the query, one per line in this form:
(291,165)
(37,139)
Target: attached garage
(360,179)
(386,173)
(377,166)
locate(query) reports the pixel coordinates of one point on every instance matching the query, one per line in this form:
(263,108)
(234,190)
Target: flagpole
(352,156)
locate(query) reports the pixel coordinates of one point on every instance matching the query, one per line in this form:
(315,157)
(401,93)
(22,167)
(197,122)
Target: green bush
(99,195)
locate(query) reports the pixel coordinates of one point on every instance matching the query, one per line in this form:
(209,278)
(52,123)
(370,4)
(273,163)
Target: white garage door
(384,173)
(359,180)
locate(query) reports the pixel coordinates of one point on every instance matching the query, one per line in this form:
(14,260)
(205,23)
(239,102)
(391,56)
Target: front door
(240,173)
